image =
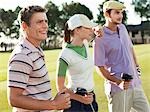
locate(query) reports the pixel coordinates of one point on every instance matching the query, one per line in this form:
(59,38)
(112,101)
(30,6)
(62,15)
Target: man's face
(38,28)
(115,16)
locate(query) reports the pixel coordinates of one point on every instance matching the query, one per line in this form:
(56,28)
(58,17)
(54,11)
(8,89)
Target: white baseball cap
(78,20)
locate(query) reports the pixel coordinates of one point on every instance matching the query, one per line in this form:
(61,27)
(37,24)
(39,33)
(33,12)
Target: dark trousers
(77,106)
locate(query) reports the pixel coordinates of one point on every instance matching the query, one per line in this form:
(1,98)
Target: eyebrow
(85,27)
(41,20)
(118,10)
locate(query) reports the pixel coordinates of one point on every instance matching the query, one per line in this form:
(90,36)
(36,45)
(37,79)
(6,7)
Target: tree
(100,16)
(15,28)
(53,15)
(7,27)
(3,44)
(6,21)
(142,7)
(69,10)
(57,18)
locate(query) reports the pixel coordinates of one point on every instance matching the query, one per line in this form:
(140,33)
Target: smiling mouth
(119,19)
(43,32)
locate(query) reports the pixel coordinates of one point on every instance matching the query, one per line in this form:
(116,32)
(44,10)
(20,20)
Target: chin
(44,37)
(117,23)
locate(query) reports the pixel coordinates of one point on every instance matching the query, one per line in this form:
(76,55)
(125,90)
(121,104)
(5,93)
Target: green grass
(143,55)
(3,65)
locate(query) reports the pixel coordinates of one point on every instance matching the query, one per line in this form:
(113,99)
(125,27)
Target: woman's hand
(98,31)
(87,99)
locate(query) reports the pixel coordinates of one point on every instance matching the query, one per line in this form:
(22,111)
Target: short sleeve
(99,52)
(19,69)
(61,67)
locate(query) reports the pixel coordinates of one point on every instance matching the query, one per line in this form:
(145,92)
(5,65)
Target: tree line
(57,17)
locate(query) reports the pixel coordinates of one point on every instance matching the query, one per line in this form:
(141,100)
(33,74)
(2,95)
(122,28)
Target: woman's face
(85,33)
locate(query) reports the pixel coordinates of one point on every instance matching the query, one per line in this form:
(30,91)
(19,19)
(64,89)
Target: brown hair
(109,11)
(26,13)
(67,34)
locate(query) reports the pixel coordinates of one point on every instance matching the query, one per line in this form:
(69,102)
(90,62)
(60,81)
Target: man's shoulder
(20,49)
(122,26)
(99,38)
(20,53)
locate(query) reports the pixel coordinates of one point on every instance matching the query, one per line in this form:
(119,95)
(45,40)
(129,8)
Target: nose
(92,30)
(45,24)
(121,15)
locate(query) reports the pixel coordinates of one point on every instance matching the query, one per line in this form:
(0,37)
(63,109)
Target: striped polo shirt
(27,70)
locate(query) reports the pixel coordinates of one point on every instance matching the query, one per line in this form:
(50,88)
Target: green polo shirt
(62,65)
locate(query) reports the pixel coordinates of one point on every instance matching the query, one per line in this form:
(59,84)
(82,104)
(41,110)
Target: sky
(133,18)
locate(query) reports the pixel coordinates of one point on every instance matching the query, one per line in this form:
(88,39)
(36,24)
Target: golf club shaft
(92,107)
(124,105)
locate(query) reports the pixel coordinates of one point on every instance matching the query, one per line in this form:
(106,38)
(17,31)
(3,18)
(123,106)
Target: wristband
(138,70)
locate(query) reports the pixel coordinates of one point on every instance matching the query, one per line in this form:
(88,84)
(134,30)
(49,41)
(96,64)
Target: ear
(106,14)
(75,30)
(78,30)
(24,25)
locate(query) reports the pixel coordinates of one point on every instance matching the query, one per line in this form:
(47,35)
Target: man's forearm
(107,75)
(26,102)
(134,57)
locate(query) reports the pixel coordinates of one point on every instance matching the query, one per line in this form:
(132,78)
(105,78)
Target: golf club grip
(126,77)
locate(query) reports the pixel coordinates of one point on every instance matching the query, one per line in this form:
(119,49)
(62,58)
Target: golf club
(125,77)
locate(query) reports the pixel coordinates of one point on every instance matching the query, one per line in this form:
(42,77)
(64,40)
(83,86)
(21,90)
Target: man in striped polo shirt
(28,82)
